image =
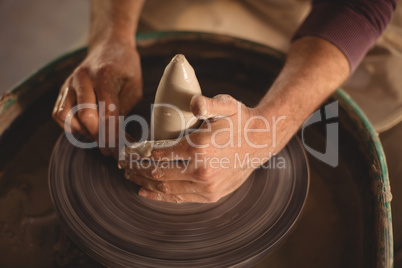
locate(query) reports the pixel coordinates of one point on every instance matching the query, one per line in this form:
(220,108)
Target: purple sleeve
(351,25)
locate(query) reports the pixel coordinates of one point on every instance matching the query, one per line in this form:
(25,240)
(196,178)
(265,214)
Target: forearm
(114,20)
(329,46)
(313,70)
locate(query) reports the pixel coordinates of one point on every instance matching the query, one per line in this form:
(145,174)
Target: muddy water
(333,231)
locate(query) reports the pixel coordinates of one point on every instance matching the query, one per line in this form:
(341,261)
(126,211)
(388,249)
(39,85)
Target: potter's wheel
(104,215)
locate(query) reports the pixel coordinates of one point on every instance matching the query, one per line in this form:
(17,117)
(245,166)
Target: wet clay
(171,113)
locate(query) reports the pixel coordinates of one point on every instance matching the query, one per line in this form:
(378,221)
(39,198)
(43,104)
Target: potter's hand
(313,69)
(110,75)
(213,161)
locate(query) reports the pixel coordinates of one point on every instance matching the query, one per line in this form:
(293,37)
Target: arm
(110,74)
(314,68)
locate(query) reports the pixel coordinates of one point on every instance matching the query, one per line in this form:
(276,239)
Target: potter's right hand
(109,75)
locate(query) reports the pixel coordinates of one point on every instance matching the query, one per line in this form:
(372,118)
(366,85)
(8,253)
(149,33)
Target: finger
(64,115)
(173,198)
(219,106)
(63,92)
(71,120)
(57,103)
(108,117)
(171,187)
(86,98)
(163,171)
(162,150)
(57,114)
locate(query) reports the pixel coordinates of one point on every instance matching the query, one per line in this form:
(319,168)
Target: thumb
(219,106)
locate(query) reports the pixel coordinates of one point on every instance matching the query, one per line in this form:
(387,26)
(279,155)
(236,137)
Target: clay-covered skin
(171,113)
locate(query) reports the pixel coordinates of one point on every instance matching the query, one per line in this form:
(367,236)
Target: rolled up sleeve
(351,25)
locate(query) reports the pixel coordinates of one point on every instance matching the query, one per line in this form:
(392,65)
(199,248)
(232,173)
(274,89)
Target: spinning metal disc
(104,215)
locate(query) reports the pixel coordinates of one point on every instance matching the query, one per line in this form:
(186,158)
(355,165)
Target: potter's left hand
(209,163)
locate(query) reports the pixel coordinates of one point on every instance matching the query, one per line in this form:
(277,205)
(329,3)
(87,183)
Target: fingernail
(143,192)
(199,106)
(121,164)
(202,106)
